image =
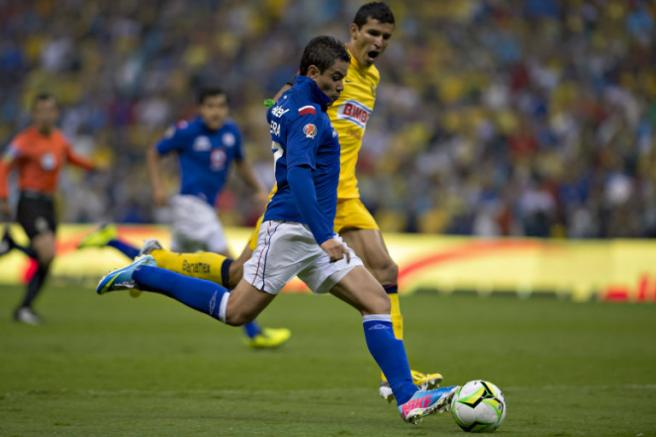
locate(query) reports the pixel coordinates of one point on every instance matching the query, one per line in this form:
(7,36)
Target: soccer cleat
(146,249)
(425,402)
(121,279)
(100,237)
(6,243)
(427,381)
(385,391)
(270,338)
(27,316)
(149,246)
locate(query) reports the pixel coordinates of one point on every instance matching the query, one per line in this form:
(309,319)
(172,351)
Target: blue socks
(125,248)
(390,355)
(252,329)
(199,294)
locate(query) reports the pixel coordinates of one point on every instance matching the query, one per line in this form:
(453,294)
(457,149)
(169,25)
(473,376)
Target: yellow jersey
(349,116)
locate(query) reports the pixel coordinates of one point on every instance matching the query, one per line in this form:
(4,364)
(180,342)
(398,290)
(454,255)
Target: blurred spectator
(531,117)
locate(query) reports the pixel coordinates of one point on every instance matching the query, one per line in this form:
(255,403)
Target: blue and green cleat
(121,279)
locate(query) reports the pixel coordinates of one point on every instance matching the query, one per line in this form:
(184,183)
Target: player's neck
(44,130)
(354,56)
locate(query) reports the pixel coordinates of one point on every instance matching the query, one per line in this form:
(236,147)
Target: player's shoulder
(24,135)
(60,137)
(304,107)
(230,125)
(374,73)
(182,127)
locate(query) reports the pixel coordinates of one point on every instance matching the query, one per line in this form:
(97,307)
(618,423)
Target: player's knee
(385,270)
(237,318)
(45,256)
(378,303)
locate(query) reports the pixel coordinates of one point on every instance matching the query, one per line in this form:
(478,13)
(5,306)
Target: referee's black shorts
(36,213)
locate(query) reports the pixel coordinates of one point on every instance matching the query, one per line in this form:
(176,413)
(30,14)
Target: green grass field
(113,365)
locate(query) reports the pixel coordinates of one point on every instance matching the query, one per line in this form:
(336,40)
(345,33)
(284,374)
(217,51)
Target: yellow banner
(605,269)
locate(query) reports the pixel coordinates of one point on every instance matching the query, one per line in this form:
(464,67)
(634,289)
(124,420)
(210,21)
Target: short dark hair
(209,91)
(43,97)
(375,10)
(322,52)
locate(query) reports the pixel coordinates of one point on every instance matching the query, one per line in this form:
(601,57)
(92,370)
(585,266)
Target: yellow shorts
(252,240)
(350,214)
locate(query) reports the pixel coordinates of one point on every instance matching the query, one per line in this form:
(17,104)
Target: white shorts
(196,226)
(288,249)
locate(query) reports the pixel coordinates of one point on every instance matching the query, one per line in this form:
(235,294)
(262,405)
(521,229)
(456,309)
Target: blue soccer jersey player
(297,237)
(206,147)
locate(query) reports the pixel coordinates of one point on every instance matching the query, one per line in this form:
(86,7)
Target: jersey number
(278,151)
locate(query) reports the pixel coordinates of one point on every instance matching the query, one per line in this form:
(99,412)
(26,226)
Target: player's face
(45,114)
(369,41)
(331,81)
(214,111)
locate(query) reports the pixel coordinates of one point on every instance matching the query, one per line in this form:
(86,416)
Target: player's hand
(336,250)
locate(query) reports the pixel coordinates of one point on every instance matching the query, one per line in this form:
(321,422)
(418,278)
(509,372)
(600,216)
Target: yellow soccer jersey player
(349,116)
(371,30)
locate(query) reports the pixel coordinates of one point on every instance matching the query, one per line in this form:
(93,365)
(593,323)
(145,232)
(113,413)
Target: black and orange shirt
(39,158)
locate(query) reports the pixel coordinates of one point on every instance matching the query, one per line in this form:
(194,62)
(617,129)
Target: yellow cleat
(425,381)
(270,338)
(100,237)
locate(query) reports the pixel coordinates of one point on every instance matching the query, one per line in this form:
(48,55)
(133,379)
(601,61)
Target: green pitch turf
(113,365)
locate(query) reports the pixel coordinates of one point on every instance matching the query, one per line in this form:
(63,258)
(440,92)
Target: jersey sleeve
(75,159)
(239,147)
(173,139)
(303,140)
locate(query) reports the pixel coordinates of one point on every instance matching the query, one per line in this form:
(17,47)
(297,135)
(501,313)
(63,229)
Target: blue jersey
(204,156)
(306,153)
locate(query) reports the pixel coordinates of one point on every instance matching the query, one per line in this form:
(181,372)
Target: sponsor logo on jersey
(228,139)
(202,144)
(48,162)
(354,112)
(278,111)
(310,130)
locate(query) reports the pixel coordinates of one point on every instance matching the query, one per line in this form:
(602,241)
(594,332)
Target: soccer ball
(478,406)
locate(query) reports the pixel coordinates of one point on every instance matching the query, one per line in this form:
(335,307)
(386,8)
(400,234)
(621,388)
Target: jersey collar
(311,88)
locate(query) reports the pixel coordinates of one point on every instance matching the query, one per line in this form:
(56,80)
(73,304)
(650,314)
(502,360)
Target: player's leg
(37,217)
(7,244)
(360,231)
(256,335)
(204,296)
(272,272)
(361,290)
(106,235)
(207,265)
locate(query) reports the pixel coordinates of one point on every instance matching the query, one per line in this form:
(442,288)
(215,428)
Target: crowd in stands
(493,117)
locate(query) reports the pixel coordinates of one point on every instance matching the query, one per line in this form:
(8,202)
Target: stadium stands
(493,118)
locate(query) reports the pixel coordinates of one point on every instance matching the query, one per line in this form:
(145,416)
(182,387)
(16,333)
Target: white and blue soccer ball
(478,406)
